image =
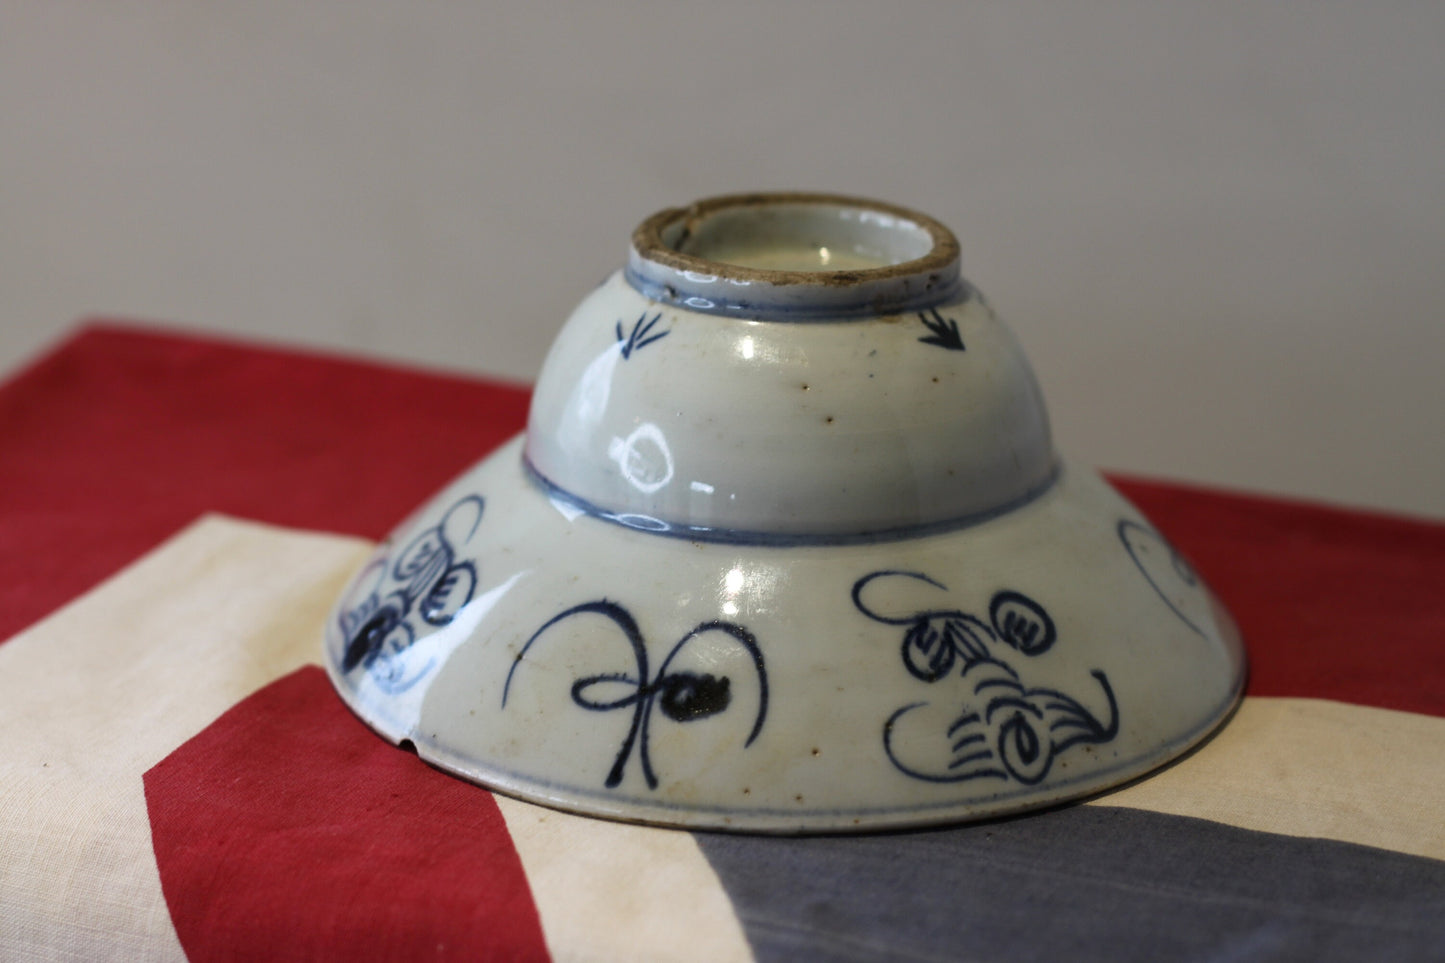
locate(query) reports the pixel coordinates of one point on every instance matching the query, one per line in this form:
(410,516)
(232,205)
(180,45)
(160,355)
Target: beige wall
(1217,227)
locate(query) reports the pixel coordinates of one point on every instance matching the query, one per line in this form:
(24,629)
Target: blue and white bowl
(786,547)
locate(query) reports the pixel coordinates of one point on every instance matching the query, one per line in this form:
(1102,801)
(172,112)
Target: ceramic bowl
(786,547)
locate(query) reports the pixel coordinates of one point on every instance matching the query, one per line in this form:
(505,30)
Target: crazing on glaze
(986,722)
(682,696)
(397,599)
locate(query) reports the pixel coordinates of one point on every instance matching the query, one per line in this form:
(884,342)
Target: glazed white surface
(787,428)
(835,676)
(753,569)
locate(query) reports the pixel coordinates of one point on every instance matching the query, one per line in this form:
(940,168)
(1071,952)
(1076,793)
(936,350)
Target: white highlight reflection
(425,657)
(643,458)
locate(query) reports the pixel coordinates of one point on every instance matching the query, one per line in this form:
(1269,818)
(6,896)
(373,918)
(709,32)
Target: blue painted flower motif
(989,724)
(682,696)
(1168,573)
(943,332)
(397,600)
(640,336)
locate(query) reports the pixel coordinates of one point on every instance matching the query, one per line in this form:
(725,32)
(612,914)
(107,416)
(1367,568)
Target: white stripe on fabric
(97,693)
(612,891)
(1312,767)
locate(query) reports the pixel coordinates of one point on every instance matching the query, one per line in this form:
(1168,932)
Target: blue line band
(732,536)
(758,303)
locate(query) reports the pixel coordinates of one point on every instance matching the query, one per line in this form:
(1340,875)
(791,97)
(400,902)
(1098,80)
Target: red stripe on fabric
(1333,604)
(289,829)
(120,437)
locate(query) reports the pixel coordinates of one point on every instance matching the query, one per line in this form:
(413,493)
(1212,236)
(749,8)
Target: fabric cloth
(178,779)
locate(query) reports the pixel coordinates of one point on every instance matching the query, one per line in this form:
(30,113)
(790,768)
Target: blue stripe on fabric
(1081,883)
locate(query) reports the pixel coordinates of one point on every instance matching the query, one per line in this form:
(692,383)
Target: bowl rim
(648,243)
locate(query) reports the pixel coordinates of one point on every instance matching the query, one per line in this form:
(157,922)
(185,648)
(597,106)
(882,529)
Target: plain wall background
(1217,228)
